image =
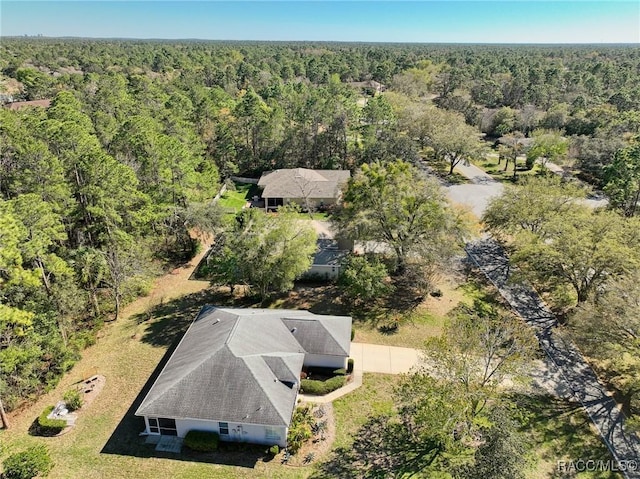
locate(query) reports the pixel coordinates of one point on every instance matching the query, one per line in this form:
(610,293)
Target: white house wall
(238,432)
(312,202)
(324,271)
(325,361)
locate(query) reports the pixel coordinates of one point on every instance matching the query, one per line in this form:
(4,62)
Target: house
(369,87)
(328,260)
(237,372)
(311,189)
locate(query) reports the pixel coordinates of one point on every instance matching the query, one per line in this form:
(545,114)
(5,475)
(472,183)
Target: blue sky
(383,21)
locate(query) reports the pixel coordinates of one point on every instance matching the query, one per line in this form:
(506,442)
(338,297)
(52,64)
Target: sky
(452,21)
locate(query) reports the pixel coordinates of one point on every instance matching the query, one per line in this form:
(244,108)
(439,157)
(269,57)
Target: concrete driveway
(375,358)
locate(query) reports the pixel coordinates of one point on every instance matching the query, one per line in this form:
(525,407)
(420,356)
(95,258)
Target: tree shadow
(382,448)
(318,298)
(168,321)
(561,426)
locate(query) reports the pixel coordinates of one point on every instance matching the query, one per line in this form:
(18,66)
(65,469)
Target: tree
(501,453)
(415,82)
(582,249)
(607,328)
(393,204)
(479,348)
(512,145)
(266,252)
(127,264)
(423,439)
(452,140)
(530,205)
(622,179)
(363,279)
(549,145)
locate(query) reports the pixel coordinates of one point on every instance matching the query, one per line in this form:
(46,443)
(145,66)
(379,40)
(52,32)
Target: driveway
(568,368)
(375,358)
(323,228)
(476,195)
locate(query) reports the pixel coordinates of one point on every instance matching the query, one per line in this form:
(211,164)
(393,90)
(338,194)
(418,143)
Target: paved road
(568,372)
(597,200)
(476,195)
(564,359)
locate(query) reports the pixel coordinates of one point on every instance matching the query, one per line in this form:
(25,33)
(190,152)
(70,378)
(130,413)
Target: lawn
(234,200)
(490,165)
(561,431)
(131,351)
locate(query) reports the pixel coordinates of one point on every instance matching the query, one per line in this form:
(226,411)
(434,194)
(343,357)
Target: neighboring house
(237,372)
(327,262)
(311,189)
(369,87)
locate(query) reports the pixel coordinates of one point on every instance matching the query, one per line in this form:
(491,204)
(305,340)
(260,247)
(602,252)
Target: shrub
(353,333)
(50,426)
(300,429)
(202,441)
(340,372)
(309,386)
(34,461)
(274,450)
(73,399)
(349,366)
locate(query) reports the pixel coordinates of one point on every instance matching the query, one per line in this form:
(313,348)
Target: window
(153,426)
(224,427)
(167,427)
(271,434)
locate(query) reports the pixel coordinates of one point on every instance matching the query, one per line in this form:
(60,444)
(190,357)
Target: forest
(103,189)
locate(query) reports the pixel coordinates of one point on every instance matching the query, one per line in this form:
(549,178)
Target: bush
(300,429)
(340,372)
(30,463)
(202,441)
(274,450)
(320,388)
(72,399)
(353,333)
(349,366)
(50,426)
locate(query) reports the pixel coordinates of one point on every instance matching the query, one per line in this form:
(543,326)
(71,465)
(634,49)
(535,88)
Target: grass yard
(235,200)
(490,166)
(412,330)
(131,352)
(561,431)
(441,169)
(374,397)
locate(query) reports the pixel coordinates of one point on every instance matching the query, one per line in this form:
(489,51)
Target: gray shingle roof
(243,365)
(329,335)
(302,182)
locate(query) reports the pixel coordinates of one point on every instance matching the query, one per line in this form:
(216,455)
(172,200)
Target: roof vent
(215,321)
(293,331)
